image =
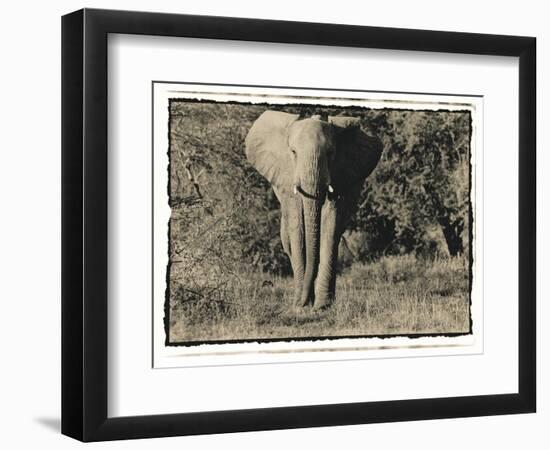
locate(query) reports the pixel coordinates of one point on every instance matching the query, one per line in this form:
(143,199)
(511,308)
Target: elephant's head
(311,159)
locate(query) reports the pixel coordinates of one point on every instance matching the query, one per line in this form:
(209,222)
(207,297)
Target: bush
(225,214)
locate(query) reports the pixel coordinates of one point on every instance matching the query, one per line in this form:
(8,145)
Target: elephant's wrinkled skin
(317,169)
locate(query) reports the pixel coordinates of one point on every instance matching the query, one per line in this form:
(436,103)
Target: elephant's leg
(334,218)
(285,237)
(295,232)
(330,238)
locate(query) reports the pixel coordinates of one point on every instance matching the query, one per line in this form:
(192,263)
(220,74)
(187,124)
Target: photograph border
(410,335)
(84,224)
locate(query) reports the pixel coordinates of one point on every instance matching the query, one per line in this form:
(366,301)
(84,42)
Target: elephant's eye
(293,151)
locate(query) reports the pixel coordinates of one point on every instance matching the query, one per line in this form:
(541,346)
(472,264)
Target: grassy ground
(393,296)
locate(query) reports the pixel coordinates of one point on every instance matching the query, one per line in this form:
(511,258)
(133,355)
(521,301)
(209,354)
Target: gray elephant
(317,169)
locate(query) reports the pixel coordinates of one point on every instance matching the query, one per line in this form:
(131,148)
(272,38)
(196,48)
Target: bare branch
(193,181)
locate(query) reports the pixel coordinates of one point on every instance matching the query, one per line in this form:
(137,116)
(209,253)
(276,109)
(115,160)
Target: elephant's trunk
(313,186)
(312,218)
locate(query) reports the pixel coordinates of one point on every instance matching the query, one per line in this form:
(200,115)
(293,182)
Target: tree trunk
(452,232)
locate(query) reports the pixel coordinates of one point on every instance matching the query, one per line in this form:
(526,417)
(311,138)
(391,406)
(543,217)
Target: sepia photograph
(316,218)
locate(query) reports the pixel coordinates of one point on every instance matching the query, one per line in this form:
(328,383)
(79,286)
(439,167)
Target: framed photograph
(274,225)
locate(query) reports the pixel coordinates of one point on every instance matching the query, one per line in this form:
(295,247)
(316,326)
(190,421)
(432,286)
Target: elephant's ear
(356,154)
(267,147)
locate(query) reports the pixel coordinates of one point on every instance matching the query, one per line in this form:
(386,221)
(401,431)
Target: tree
(422,179)
(225,211)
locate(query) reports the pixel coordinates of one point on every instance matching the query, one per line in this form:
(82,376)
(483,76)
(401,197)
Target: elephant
(317,169)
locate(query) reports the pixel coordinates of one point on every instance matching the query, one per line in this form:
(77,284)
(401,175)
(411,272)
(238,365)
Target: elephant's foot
(299,302)
(323,300)
(318,302)
(321,306)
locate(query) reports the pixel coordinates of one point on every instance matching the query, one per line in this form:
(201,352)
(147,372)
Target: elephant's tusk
(295,189)
(330,189)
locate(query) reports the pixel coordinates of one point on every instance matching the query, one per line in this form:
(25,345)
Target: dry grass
(393,296)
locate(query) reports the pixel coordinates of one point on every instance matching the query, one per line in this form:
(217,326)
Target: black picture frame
(84,224)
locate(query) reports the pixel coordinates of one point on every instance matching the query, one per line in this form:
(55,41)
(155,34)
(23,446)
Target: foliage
(212,183)
(422,180)
(419,189)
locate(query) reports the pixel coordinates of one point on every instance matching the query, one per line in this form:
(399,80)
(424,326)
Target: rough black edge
(167,308)
(471,221)
(311,338)
(72,88)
